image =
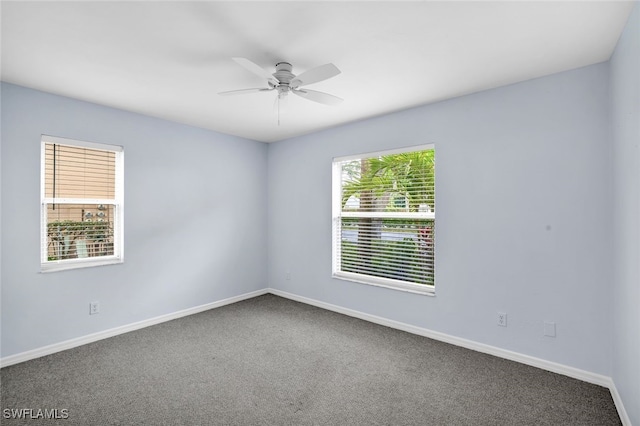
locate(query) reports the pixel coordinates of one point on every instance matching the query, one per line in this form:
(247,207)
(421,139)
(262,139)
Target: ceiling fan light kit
(284,81)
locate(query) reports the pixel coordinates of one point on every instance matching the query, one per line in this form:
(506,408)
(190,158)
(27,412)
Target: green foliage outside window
(70,239)
(395,248)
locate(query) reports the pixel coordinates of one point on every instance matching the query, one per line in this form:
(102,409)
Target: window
(82,204)
(384,219)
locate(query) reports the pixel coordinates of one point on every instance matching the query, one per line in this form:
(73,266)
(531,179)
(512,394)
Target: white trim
(336,190)
(109,201)
(118,224)
(90,338)
(565,370)
(75,142)
(409,148)
(89,262)
(617,400)
(43,206)
(390,215)
(385,282)
(576,373)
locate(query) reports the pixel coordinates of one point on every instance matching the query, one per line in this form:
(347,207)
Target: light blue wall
(523,178)
(195,221)
(625,125)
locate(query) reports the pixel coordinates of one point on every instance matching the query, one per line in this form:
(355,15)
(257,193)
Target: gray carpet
(272,361)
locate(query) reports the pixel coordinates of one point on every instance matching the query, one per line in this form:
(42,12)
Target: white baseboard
(79,341)
(624,417)
(576,373)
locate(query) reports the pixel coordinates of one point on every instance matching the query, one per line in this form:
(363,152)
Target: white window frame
(117,202)
(337,214)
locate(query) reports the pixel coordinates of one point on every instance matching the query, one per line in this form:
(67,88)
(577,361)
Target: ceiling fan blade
(320,97)
(242,91)
(315,75)
(254,68)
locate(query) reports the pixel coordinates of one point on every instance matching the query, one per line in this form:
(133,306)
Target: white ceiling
(170,59)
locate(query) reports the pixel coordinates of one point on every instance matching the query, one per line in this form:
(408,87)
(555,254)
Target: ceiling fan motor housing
(284,76)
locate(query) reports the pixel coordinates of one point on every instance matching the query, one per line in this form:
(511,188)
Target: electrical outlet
(94,308)
(502,319)
(288,276)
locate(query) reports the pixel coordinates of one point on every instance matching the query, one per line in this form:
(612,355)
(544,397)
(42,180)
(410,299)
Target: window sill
(387,283)
(78,264)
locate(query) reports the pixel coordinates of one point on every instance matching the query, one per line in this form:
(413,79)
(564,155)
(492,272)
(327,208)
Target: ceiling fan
(283,81)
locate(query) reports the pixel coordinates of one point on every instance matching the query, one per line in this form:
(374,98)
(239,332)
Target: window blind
(78,172)
(384,219)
